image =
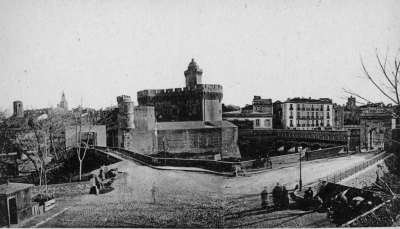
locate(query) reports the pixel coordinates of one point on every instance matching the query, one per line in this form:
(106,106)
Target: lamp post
(300,181)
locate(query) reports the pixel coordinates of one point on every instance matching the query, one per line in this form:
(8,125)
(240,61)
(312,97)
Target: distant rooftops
(309,100)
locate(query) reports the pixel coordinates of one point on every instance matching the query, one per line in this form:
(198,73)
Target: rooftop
(13,187)
(309,100)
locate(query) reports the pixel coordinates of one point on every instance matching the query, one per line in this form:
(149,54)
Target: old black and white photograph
(199,113)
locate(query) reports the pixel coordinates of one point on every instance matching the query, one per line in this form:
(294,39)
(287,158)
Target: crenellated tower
(18,109)
(195,102)
(125,119)
(193,74)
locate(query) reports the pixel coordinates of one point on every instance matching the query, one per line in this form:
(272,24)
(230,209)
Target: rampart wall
(220,140)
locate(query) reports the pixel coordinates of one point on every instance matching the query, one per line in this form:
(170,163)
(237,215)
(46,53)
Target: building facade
(307,114)
(260,113)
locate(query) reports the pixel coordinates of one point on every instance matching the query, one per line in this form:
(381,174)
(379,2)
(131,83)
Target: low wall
(218,166)
(368,176)
(65,189)
(323,153)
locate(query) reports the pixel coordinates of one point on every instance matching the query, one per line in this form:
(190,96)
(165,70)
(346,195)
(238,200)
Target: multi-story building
(277,110)
(260,113)
(307,114)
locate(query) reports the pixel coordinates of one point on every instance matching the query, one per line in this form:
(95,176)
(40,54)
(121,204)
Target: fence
(383,215)
(218,166)
(348,172)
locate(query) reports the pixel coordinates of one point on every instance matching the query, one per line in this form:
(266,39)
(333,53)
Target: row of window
(314,136)
(308,123)
(267,122)
(308,108)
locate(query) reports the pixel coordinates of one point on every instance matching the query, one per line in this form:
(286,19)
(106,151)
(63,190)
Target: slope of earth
(182,200)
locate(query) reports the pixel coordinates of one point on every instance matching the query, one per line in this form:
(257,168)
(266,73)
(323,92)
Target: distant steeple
(63,103)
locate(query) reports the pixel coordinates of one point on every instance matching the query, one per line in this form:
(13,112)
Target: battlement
(198,87)
(123,97)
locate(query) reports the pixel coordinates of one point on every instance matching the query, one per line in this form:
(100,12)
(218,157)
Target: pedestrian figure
(318,203)
(99,184)
(101,173)
(264,198)
(93,187)
(270,162)
(307,154)
(308,195)
(276,195)
(284,198)
(153,193)
(105,171)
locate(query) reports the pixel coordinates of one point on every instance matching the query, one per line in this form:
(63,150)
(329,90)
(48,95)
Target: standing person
(285,198)
(276,195)
(264,198)
(93,187)
(98,182)
(270,162)
(101,173)
(308,195)
(307,154)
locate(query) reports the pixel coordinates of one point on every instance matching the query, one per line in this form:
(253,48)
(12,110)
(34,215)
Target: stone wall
(324,153)
(220,139)
(100,130)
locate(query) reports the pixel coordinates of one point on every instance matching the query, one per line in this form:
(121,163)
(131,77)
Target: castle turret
(125,120)
(18,109)
(193,74)
(125,112)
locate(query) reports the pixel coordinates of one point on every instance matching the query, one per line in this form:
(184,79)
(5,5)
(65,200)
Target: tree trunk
(80,169)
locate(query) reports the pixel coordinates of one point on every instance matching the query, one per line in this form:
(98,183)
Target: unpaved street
(188,199)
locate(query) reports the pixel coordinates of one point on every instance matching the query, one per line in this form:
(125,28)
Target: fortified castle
(180,120)
(195,102)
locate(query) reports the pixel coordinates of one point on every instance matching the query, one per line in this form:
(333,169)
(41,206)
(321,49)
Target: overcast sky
(98,50)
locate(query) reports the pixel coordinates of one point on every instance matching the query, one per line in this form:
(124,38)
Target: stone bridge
(253,143)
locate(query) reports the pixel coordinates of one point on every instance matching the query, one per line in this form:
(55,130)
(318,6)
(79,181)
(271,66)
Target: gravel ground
(242,195)
(182,200)
(187,199)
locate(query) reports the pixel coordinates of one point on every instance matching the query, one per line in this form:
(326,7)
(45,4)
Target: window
(257,122)
(267,122)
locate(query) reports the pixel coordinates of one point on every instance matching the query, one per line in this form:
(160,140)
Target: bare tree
(84,122)
(36,138)
(386,81)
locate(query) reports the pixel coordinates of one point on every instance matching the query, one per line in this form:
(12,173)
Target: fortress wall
(221,140)
(213,110)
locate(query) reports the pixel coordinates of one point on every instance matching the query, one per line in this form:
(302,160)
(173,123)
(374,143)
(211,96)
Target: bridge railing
(358,167)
